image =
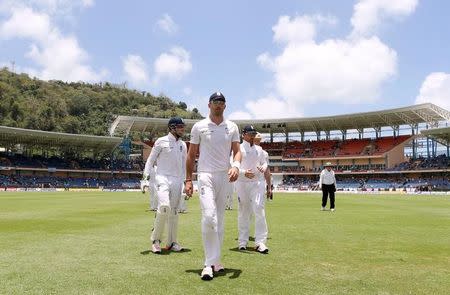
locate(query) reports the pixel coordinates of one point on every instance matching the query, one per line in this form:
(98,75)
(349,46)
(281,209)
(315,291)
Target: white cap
(258,136)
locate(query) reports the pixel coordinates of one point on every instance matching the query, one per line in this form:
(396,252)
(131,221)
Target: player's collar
(246,143)
(172,137)
(211,122)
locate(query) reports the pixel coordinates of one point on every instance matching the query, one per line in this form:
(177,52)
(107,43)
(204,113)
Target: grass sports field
(97,243)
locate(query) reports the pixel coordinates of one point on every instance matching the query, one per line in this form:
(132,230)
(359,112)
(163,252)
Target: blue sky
(270,58)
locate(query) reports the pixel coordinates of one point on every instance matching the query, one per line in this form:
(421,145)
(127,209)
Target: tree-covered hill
(79,108)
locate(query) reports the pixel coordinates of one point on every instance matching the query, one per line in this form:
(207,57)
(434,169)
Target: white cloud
(28,24)
(174,64)
(239,115)
(299,29)
(369,14)
(87,3)
(345,70)
(334,70)
(57,56)
(56,8)
(167,24)
(435,89)
(135,69)
(268,107)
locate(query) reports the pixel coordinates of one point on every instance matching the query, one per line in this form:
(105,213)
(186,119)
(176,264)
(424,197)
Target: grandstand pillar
(287,135)
(396,130)
(271,136)
(428,147)
(360,133)
(434,147)
(318,135)
(302,136)
(344,134)
(327,134)
(377,132)
(414,142)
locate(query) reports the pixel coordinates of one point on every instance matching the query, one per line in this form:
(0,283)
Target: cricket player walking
(214,137)
(169,156)
(250,189)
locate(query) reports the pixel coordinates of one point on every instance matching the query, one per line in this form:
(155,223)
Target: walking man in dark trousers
(327,183)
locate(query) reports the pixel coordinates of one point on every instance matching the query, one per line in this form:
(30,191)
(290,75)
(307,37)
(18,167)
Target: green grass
(97,243)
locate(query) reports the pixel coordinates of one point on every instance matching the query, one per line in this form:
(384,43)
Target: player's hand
(233,174)
(261,169)
(188,188)
(249,174)
(269,194)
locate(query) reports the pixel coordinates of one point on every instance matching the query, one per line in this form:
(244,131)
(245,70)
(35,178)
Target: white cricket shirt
(252,157)
(327,177)
(265,156)
(215,144)
(169,155)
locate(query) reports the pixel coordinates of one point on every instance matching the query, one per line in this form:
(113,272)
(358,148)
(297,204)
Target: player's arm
(233,173)
(190,160)
(151,160)
(262,161)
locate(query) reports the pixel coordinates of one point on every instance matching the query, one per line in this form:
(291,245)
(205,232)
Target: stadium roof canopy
(10,135)
(412,115)
(442,135)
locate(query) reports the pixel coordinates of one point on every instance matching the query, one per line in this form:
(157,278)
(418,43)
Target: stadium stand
(409,158)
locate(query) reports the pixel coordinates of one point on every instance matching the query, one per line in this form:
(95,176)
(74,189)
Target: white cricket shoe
(323,209)
(175,247)
(207,273)
(156,247)
(242,246)
(261,248)
(332,210)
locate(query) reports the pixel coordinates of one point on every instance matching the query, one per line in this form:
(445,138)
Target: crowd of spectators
(421,163)
(38,161)
(370,183)
(14,181)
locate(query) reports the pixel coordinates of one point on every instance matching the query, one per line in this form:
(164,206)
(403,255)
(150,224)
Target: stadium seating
(368,183)
(38,161)
(384,144)
(335,148)
(438,162)
(14,181)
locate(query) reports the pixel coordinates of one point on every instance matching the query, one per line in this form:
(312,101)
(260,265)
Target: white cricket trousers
(168,191)
(153,196)
(213,189)
(251,200)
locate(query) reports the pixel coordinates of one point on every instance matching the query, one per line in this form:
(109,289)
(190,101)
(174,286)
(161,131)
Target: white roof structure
(441,135)
(412,115)
(10,135)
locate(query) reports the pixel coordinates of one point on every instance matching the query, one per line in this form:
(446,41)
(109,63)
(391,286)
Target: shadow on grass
(252,239)
(166,252)
(250,250)
(235,273)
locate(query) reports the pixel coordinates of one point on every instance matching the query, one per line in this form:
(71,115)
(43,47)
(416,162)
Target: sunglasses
(217,102)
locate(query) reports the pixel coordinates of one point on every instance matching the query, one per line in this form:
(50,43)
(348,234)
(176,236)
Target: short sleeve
(195,134)
(235,133)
